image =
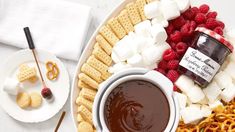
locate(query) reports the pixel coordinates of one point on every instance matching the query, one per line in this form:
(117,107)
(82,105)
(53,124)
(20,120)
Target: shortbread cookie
(79,118)
(36,100)
(133,13)
(117,28)
(88,94)
(98,65)
(140,5)
(23,100)
(104,44)
(85,113)
(102,56)
(82,101)
(108,35)
(125,21)
(90,71)
(26,72)
(81,84)
(86,79)
(85,127)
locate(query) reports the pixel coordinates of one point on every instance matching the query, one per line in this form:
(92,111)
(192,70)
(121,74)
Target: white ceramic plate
(60,87)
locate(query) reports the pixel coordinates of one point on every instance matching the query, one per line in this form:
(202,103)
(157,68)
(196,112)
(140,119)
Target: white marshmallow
(230,35)
(184,83)
(183,4)
(140,43)
(228,93)
(11,86)
(153,54)
(170,9)
(160,20)
(123,49)
(195,94)
(152,9)
(206,111)
(136,60)
(151,67)
(212,91)
(203,101)
(115,57)
(230,69)
(182,99)
(215,104)
(158,33)
(143,28)
(118,67)
(223,79)
(191,114)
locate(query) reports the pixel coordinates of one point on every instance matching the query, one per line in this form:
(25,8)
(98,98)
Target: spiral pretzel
(52,70)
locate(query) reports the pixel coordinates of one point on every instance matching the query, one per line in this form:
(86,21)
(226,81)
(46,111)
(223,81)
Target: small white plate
(60,87)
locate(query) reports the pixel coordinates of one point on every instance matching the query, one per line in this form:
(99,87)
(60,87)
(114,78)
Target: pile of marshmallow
(196,103)
(144,47)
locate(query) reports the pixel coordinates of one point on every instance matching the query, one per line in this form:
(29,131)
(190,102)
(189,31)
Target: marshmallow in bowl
(136,60)
(152,9)
(11,86)
(143,28)
(182,99)
(158,33)
(160,20)
(212,91)
(223,79)
(183,4)
(184,83)
(118,67)
(170,9)
(191,114)
(228,93)
(123,49)
(195,94)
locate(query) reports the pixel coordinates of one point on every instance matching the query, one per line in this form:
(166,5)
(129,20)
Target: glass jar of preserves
(206,55)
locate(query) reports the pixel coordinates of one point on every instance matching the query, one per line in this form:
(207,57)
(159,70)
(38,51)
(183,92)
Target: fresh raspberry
(162,65)
(173,45)
(219,30)
(204,8)
(187,29)
(195,10)
(178,22)
(193,24)
(211,23)
(181,48)
(170,29)
(200,18)
(176,37)
(173,75)
(201,25)
(212,14)
(221,24)
(173,64)
(175,88)
(189,14)
(169,54)
(161,71)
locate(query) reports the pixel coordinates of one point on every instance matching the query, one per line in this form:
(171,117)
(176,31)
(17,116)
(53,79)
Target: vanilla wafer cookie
(90,71)
(88,94)
(105,75)
(125,21)
(102,56)
(85,113)
(81,84)
(140,5)
(117,28)
(133,13)
(25,73)
(108,35)
(89,81)
(98,65)
(85,127)
(79,118)
(82,101)
(104,44)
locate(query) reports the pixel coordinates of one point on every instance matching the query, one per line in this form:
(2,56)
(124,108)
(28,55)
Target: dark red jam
(203,59)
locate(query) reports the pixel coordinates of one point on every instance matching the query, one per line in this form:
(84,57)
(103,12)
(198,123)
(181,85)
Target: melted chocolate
(136,106)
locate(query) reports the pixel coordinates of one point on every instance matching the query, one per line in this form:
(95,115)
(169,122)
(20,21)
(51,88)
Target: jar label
(199,64)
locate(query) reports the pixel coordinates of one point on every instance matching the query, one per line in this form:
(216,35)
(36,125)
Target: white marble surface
(100,10)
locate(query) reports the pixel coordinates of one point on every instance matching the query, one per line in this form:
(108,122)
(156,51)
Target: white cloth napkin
(58,26)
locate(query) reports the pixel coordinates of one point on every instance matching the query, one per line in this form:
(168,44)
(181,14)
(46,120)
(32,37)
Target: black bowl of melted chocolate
(136,106)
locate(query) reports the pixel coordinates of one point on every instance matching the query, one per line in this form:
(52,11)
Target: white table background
(101,8)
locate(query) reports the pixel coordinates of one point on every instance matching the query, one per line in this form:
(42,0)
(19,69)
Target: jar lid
(215,35)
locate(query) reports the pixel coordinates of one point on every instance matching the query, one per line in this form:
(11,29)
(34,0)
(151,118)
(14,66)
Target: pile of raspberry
(180,32)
